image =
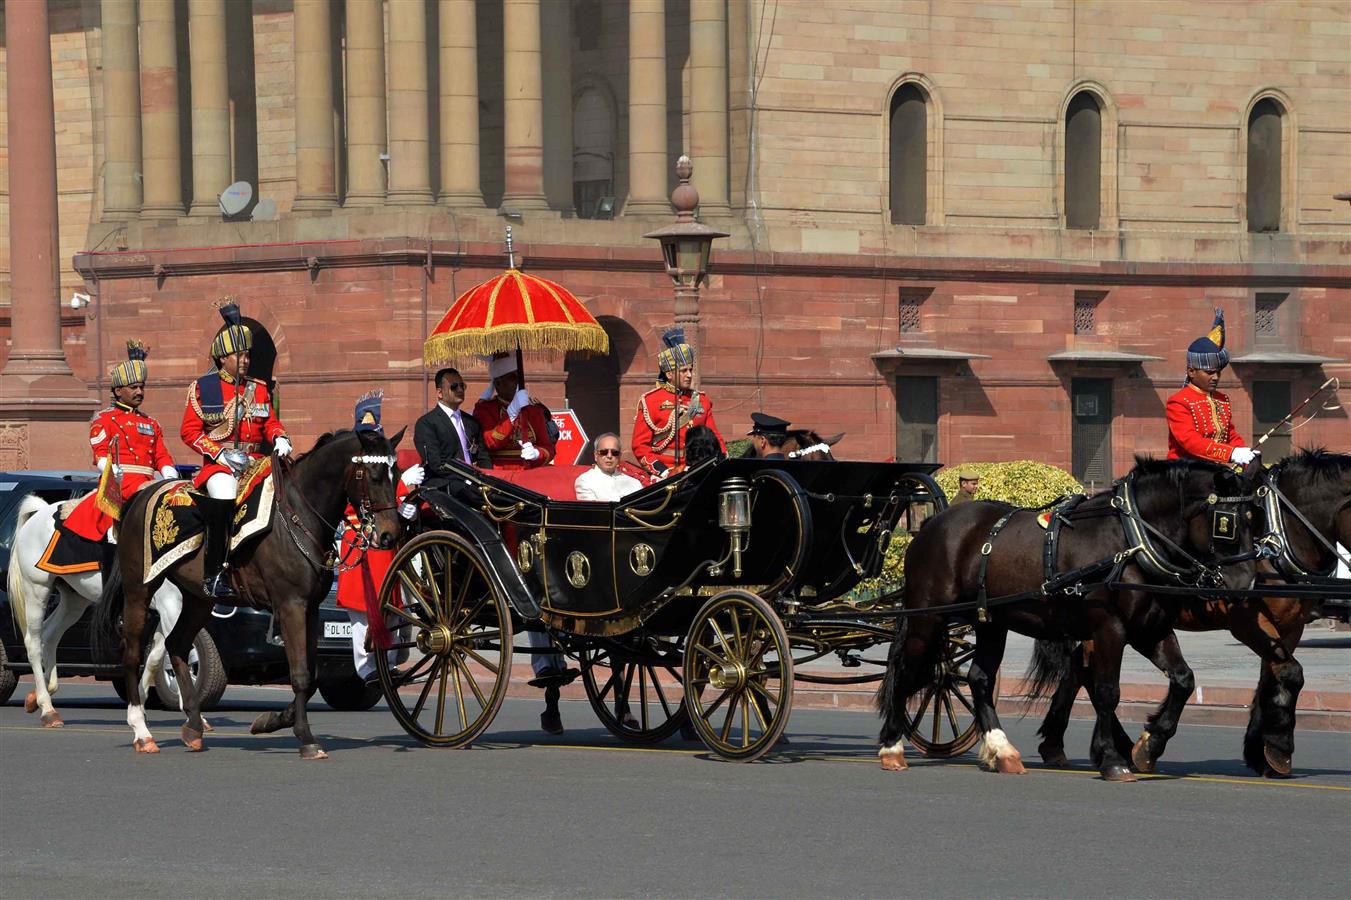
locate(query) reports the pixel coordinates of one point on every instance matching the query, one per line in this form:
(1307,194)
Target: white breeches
(364,662)
(542,662)
(222,486)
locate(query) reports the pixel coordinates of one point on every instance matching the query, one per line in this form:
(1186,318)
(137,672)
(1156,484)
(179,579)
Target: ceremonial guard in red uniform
(515,428)
(1200,418)
(669,410)
(359,587)
(128,449)
(229,419)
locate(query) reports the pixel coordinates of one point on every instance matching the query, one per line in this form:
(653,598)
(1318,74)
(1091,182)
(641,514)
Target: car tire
(8,680)
(210,677)
(349,694)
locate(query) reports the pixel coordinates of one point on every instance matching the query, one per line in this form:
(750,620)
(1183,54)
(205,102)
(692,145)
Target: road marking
(805,756)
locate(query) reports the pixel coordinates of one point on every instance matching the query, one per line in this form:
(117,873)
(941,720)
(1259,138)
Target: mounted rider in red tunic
(515,427)
(229,418)
(1201,418)
(668,411)
(128,449)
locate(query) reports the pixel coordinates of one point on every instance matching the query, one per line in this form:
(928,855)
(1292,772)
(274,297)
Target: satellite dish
(235,199)
(265,211)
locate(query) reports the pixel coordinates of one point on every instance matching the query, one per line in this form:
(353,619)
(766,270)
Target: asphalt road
(527,815)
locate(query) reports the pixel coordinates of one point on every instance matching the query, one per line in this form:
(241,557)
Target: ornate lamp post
(685,248)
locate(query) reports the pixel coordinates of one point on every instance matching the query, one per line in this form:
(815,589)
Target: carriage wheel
(738,675)
(940,720)
(622,684)
(456,626)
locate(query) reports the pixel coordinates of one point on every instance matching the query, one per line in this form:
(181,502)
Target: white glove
(102,462)
(168,472)
(529,452)
(281,446)
(518,403)
(117,471)
(1242,455)
(413,475)
(408,511)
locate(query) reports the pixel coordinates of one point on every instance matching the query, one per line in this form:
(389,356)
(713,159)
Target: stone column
(121,112)
(459,105)
(708,101)
(410,177)
(366,137)
(43,407)
(211,172)
(162,167)
(523,105)
(647,108)
(556,66)
(316,166)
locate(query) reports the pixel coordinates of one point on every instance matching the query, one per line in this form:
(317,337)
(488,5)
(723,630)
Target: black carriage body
(603,569)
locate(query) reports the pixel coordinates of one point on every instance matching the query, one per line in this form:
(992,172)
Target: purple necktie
(459,429)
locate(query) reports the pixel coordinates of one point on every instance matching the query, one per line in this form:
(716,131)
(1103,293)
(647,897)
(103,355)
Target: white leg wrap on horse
(994,745)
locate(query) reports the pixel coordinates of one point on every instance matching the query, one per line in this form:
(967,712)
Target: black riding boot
(218,515)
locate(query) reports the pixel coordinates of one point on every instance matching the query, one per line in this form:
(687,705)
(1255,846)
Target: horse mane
(1177,472)
(1319,463)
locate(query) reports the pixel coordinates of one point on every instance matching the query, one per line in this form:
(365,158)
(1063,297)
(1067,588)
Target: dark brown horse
(285,571)
(1171,503)
(1317,484)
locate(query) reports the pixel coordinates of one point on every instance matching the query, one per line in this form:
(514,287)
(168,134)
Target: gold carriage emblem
(525,556)
(578,568)
(641,558)
(1224,525)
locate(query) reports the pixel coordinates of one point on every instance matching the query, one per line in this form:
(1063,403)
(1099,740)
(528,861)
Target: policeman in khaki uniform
(1200,418)
(128,448)
(228,418)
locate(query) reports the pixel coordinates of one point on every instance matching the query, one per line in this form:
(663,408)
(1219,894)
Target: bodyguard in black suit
(437,434)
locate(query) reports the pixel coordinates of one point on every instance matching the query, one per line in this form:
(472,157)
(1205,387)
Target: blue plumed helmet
(1208,352)
(368,412)
(675,352)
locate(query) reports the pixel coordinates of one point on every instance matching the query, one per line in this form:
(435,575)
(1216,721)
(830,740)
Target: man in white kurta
(603,482)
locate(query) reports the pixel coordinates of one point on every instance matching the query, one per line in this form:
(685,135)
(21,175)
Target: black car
(237,646)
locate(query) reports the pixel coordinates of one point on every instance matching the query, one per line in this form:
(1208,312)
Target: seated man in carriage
(1200,418)
(668,411)
(129,451)
(228,418)
(515,427)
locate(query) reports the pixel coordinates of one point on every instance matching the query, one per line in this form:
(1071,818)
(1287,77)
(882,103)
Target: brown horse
(285,570)
(1317,484)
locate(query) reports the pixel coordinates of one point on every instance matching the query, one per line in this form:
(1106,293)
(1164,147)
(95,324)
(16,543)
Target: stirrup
(219,587)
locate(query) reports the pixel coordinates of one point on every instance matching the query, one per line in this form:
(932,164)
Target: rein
(1276,504)
(327,559)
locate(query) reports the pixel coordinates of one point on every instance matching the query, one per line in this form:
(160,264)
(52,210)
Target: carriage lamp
(734,516)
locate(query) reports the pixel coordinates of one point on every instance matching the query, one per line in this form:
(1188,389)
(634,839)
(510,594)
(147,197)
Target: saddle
(174,527)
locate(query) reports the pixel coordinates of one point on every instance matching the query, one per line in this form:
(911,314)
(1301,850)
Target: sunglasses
(456,385)
(607,452)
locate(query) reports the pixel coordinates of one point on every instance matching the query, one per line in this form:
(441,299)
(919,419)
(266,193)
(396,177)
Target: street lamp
(685,248)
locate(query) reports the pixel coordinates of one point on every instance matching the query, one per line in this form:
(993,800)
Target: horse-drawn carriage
(694,600)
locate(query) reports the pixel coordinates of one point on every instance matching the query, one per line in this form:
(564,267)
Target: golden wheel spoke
(919,714)
(473,682)
(729,720)
(426,688)
(759,714)
(961,698)
(466,617)
(441,699)
(746,719)
(937,697)
(701,649)
(952,717)
(736,629)
(769,698)
(642,696)
(415,672)
(710,709)
(459,692)
(415,589)
(731,654)
(430,575)
(406,616)
(661,695)
(482,661)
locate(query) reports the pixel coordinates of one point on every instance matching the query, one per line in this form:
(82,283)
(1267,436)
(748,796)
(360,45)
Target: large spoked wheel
(940,721)
(454,622)
(738,676)
(626,689)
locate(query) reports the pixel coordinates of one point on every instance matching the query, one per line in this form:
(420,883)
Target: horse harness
(331,560)
(1274,504)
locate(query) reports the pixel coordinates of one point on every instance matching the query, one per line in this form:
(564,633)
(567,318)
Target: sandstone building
(959,231)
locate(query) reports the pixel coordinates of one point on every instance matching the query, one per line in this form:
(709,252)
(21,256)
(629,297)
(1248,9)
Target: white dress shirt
(593,484)
(458,424)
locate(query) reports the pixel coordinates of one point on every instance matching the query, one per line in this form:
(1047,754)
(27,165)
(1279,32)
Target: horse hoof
(892,759)
(1279,761)
(146,745)
(30,702)
(261,725)
(1054,757)
(1117,773)
(1010,764)
(192,739)
(207,727)
(312,751)
(53,720)
(1140,755)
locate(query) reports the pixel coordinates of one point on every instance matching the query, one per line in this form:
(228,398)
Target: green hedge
(1023,483)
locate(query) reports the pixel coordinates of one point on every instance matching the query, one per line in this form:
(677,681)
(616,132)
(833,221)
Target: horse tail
(886,692)
(16,582)
(105,635)
(1052,662)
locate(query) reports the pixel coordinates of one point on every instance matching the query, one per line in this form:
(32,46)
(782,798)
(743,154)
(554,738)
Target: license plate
(337,629)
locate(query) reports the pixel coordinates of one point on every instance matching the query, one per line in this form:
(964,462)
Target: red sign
(572,438)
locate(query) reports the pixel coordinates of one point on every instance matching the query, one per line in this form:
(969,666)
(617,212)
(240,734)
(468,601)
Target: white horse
(29,588)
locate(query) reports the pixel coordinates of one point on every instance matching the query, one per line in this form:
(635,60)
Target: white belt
(137,470)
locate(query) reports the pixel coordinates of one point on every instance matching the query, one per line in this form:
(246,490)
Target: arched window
(1264,167)
(1083,162)
(593,154)
(909,156)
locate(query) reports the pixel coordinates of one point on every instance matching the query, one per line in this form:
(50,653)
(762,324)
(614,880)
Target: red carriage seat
(557,482)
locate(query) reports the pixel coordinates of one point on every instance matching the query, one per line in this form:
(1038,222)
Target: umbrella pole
(520,368)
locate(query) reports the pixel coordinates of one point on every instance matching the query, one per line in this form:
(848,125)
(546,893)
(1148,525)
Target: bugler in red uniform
(1201,425)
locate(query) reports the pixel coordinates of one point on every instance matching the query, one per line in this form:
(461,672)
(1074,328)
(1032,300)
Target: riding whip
(1331,383)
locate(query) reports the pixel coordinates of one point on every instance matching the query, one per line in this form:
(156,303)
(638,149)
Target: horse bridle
(1275,504)
(331,560)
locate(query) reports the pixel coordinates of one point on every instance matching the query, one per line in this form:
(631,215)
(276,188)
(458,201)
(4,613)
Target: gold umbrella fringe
(561,336)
